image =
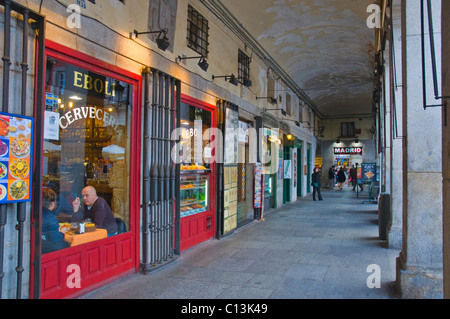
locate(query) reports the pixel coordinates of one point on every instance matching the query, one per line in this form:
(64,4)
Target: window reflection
(86,142)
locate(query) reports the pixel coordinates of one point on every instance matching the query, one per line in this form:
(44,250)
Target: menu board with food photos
(16,142)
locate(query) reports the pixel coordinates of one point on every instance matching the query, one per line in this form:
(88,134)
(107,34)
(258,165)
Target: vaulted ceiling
(325,46)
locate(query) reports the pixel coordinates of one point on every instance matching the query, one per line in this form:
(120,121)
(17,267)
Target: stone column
(386,122)
(419,266)
(446,142)
(394,236)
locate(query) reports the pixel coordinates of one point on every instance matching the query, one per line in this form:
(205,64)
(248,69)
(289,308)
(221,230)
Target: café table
(80,239)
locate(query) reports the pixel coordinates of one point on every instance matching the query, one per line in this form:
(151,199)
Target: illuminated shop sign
(348,150)
(96,86)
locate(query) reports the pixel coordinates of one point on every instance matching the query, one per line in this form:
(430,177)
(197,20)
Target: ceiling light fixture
(162,41)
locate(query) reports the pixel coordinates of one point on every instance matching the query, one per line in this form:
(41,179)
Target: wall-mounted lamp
(230,78)
(246,82)
(290,137)
(282,111)
(203,64)
(297,123)
(272,100)
(162,41)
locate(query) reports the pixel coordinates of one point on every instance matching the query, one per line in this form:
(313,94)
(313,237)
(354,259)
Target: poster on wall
(295,166)
(258,194)
(230,169)
(287,169)
(230,198)
(16,149)
(51,126)
(231,138)
(343,161)
(359,173)
(280,168)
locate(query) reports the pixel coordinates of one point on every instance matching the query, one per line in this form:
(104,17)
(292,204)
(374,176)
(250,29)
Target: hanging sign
(16,143)
(348,151)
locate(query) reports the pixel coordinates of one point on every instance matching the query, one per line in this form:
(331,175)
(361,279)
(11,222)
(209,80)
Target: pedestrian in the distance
(341,178)
(354,177)
(331,177)
(316,184)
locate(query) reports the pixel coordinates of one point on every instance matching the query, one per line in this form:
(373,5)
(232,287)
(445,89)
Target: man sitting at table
(96,209)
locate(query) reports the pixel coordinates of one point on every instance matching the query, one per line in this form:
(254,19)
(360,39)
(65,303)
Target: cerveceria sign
(348,150)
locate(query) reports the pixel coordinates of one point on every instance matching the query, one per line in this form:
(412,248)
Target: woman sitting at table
(52,237)
(95,208)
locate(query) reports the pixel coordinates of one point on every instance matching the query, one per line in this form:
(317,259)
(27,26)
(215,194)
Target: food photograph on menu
(16,134)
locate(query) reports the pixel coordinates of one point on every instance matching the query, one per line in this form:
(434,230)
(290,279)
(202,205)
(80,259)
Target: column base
(417,282)
(394,238)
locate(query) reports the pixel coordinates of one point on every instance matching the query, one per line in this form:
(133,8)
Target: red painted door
(199,224)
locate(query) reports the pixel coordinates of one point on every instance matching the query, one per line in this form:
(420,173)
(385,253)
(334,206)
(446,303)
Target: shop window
(86,143)
(196,148)
(196,155)
(288,105)
(197,33)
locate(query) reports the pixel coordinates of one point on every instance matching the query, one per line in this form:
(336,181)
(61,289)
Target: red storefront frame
(105,260)
(194,229)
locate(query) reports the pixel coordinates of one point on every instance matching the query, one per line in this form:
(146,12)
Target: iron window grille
(243,67)
(197,35)
(348,129)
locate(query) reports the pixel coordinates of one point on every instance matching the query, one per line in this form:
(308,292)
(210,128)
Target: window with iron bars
(347,129)
(197,36)
(243,67)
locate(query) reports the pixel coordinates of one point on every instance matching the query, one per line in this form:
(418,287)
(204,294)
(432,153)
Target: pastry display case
(194,193)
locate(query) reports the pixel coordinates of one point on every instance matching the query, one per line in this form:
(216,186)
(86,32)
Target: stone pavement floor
(305,250)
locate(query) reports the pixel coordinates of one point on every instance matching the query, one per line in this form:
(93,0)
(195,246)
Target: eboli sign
(348,150)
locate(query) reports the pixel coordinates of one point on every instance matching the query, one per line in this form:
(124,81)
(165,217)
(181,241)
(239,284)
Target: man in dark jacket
(331,177)
(95,208)
(316,184)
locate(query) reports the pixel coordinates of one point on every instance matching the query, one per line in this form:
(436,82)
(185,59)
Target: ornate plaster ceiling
(325,46)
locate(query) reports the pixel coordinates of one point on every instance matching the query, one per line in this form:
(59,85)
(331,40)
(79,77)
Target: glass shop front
(88,200)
